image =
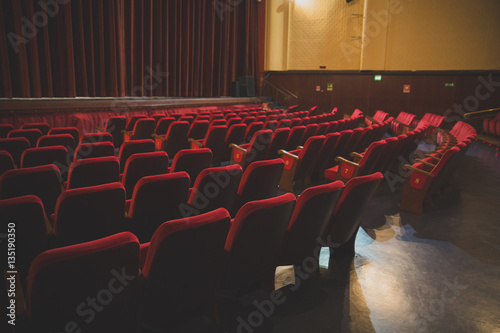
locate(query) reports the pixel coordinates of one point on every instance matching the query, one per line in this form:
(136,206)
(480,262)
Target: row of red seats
(319,153)
(380,156)
(492,126)
(217,138)
(187,264)
(426,177)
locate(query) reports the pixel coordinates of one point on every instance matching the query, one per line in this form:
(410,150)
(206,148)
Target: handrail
(480,113)
(281,89)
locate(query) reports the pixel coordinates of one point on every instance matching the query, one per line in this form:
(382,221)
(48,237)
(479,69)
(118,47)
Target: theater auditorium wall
(327,53)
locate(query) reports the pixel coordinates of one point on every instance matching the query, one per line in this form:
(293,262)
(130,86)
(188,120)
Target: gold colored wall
(383,35)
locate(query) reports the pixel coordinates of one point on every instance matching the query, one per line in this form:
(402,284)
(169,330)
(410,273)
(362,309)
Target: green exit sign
(452,84)
(377,77)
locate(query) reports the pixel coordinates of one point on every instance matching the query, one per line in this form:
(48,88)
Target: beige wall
(390,34)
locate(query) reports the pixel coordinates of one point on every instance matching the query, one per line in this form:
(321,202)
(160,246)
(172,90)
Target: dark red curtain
(116,48)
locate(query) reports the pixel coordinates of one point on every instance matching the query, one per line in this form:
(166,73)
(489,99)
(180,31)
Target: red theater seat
(252,129)
(256,150)
(43,127)
(218,122)
(73,131)
(92,150)
(259,181)
(93,171)
(115,126)
(42,181)
(132,120)
(192,161)
(65,140)
(89,213)
(278,142)
(176,138)
(363,164)
(333,127)
(234,121)
(421,180)
(326,155)
(31,134)
(174,291)
(214,188)
(283,123)
(346,219)
(401,124)
(157,199)
(6,161)
(61,281)
(214,140)
(235,135)
(189,119)
(163,125)
(31,230)
(254,241)
(295,137)
(322,128)
(143,129)
(379,117)
(310,131)
(271,124)
(312,213)
(198,129)
(299,164)
(5,129)
(129,148)
(57,155)
(294,122)
(351,144)
(15,147)
(142,165)
(96,137)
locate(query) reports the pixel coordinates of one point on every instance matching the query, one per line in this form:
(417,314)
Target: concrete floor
(439,272)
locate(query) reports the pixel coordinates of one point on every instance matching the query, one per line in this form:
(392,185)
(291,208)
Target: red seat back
(260,181)
(157,199)
(134,147)
(310,217)
(192,161)
(92,150)
(199,240)
(60,280)
(43,181)
(142,165)
(347,216)
(6,161)
(214,188)
(93,171)
(89,213)
(28,215)
(43,127)
(254,241)
(31,134)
